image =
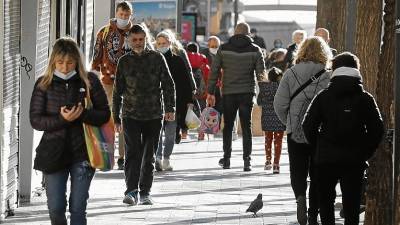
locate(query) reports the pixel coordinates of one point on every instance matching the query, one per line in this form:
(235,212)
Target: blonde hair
(166,35)
(176,46)
(64,46)
(149,36)
(314,49)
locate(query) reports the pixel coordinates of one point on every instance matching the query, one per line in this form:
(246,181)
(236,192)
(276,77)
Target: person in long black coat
(184,90)
(344,124)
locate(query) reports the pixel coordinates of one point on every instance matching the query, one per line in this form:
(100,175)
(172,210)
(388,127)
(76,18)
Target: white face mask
(163,50)
(122,23)
(63,75)
(213,50)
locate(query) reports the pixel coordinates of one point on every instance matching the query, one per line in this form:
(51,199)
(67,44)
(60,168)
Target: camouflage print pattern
(142,83)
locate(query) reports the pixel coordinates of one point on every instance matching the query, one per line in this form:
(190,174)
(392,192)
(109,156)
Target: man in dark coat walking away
(242,62)
(344,123)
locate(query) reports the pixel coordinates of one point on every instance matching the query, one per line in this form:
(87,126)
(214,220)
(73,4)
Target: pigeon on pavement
(256,205)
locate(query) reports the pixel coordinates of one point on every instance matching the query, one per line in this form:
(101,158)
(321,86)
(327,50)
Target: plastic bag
(191,120)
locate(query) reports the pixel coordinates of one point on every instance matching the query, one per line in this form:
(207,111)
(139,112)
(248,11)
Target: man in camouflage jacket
(146,90)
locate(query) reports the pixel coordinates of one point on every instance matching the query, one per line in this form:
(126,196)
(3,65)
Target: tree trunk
(332,16)
(397,123)
(380,180)
(368,40)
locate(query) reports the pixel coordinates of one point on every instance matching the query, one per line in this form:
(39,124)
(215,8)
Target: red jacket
(198,60)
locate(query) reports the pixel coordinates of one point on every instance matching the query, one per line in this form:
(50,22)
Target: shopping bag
(191,120)
(100,142)
(209,121)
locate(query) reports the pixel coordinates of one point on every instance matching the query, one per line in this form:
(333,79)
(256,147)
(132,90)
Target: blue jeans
(56,186)
(170,133)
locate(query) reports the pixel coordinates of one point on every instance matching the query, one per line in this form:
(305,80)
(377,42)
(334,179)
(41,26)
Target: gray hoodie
(289,112)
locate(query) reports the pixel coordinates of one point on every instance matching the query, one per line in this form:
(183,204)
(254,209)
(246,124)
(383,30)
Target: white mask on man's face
(213,50)
(121,23)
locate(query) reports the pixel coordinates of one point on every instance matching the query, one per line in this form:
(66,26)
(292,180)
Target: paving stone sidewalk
(198,191)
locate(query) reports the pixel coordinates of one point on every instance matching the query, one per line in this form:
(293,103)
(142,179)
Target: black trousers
(232,103)
(141,138)
(350,178)
(218,103)
(300,165)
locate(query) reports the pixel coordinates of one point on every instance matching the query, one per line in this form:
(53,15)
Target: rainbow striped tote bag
(100,142)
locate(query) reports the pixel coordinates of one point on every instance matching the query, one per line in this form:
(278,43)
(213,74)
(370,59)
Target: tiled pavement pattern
(198,191)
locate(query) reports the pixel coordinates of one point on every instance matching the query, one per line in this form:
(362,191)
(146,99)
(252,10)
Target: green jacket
(142,83)
(242,63)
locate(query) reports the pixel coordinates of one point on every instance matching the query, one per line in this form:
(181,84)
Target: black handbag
(50,155)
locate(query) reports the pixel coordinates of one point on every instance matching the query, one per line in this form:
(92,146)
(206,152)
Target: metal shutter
(11,82)
(42,37)
(89,23)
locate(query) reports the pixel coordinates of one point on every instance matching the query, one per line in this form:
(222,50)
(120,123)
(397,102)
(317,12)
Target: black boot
(246,164)
(178,138)
(120,164)
(301,210)
(312,217)
(225,163)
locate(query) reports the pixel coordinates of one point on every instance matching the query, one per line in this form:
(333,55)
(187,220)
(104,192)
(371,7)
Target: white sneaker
(158,165)
(166,165)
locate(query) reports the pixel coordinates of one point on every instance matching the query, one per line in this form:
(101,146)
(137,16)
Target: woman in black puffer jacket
(57,108)
(343,122)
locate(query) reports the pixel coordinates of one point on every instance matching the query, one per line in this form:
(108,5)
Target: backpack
(297,133)
(209,121)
